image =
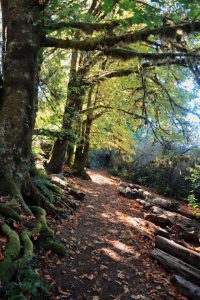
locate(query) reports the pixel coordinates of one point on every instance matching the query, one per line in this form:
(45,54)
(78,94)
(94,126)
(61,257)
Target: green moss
(57,189)
(28,245)
(8,212)
(8,187)
(28,251)
(13,247)
(7,268)
(41,226)
(45,239)
(57,248)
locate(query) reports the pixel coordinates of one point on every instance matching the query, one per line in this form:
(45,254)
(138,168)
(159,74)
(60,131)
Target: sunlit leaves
(108,5)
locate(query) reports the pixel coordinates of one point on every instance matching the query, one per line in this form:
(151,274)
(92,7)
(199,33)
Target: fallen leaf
(62,292)
(120,274)
(17,225)
(3,239)
(35,235)
(103,267)
(87,276)
(126,289)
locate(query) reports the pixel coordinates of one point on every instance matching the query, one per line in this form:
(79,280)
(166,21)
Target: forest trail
(109,257)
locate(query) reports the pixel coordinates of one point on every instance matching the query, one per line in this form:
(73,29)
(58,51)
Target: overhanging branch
(126,54)
(128,38)
(88,27)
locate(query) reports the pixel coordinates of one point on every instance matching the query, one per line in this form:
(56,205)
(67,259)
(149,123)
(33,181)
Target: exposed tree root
(11,262)
(19,250)
(11,253)
(46,234)
(9,187)
(28,249)
(8,212)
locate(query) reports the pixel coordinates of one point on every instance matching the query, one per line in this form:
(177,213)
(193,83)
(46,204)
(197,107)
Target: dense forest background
(137,115)
(94,84)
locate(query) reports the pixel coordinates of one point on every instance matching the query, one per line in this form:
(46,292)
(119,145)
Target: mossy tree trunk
(23,30)
(82,150)
(70,154)
(76,92)
(17,118)
(4,8)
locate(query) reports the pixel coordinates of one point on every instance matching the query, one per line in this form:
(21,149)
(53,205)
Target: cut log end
(187,288)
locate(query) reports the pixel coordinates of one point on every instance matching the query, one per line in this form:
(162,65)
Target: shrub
(194,197)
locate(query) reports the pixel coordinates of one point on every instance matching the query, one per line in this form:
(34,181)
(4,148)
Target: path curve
(109,258)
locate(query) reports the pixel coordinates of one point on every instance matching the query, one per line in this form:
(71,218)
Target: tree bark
(17,112)
(186,228)
(187,288)
(174,264)
(4,8)
(82,151)
(76,91)
(70,154)
(187,255)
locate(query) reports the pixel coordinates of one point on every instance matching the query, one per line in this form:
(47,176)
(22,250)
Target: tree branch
(128,38)
(127,54)
(87,27)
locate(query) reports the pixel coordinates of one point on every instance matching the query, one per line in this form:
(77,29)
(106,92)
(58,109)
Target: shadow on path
(109,258)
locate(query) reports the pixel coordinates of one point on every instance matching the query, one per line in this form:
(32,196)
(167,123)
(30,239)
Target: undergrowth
(28,285)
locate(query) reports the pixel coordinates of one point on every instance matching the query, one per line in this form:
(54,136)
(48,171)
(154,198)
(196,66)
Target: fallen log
(134,191)
(158,219)
(146,205)
(163,203)
(186,228)
(187,288)
(172,263)
(155,230)
(148,228)
(190,257)
(189,215)
(130,193)
(136,224)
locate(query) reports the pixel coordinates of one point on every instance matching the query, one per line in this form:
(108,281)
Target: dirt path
(109,258)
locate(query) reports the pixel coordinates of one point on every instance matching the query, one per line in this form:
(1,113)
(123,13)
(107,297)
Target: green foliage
(28,286)
(194,197)
(108,5)
(3,150)
(164,176)
(163,168)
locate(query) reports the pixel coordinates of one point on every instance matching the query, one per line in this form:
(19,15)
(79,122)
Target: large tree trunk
(76,91)
(70,154)
(17,113)
(4,8)
(17,110)
(82,151)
